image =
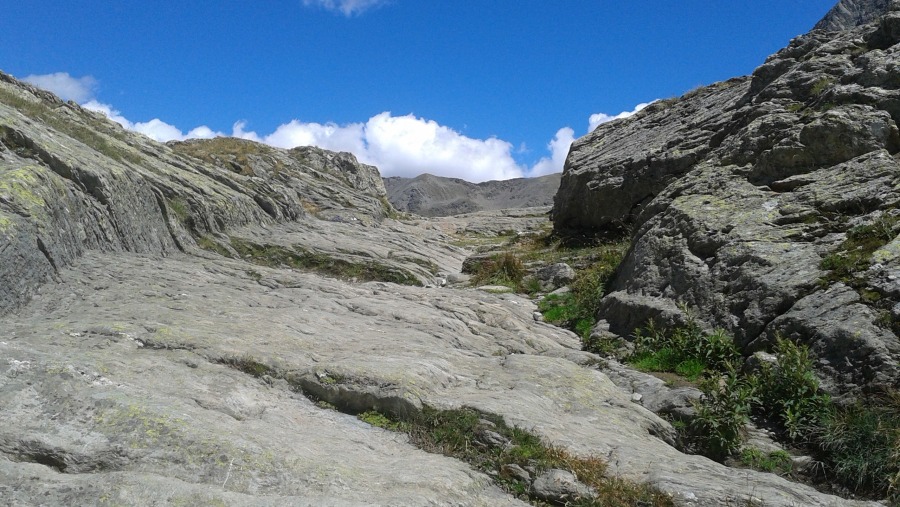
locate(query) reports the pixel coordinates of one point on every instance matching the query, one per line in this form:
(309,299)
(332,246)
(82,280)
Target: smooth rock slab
(116,373)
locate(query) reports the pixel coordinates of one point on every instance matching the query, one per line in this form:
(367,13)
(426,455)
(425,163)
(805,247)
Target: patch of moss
(297,257)
(458,433)
(249,365)
(180,209)
(778,462)
(208,243)
(849,262)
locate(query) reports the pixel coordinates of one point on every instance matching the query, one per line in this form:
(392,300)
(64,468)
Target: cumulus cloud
(402,146)
(599,118)
(155,129)
(66,87)
(559,150)
(346,7)
(397,145)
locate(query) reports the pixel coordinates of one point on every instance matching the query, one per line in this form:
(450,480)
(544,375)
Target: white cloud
(408,146)
(559,150)
(155,129)
(329,136)
(599,118)
(402,146)
(397,145)
(345,7)
(65,86)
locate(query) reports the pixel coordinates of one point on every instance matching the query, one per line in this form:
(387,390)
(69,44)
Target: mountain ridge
(430,195)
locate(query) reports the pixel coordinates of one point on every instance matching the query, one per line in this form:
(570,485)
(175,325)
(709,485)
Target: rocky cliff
(432,196)
(200,323)
(767,205)
(849,14)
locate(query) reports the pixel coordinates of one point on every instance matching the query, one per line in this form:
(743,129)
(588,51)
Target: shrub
(687,347)
(718,428)
(577,309)
(788,391)
(862,443)
(501,269)
(779,462)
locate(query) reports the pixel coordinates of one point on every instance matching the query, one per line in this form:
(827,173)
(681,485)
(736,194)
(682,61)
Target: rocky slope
(768,205)
(171,313)
(433,196)
(849,14)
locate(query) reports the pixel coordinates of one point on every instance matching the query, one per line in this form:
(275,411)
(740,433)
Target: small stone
(636,397)
(513,471)
(559,486)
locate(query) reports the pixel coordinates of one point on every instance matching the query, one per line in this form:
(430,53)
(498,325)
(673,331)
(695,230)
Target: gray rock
(512,471)
(560,487)
(555,276)
(139,369)
(852,13)
(736,192)
(653,392)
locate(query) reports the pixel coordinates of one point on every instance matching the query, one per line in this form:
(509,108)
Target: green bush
(779,462)
(501,269)
(718,427)
(687,348)
(862,443)
(788,391)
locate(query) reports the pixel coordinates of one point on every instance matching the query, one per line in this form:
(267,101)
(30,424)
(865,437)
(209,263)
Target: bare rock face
(849,14)
(180,323)
(746,197)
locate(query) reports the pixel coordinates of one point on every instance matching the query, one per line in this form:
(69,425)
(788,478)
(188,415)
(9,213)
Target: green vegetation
(456,433)
(576,310)
(687,350)
(227,152)
(778,462)
(788,391)
(862,443)
(858,446)
(853,257)
(501,269)
(38,110)
(820,86)
(248,365)
(208,243)
(298,258)
(380,420)
(180,209)
(718,428)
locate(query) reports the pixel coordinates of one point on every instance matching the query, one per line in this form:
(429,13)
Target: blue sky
(472,89)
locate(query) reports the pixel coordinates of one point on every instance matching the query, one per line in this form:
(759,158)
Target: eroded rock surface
(746,197)
(169,313)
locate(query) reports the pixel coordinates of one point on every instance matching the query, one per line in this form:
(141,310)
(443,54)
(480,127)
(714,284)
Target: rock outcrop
(169,336)
(768,205)
(434,196)
(849,14)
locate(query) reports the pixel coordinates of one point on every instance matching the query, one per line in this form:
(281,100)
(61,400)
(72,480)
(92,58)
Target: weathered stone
(512,471)
(852,13)
(555,276)
(560,487)
(738,191)
(139,369)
